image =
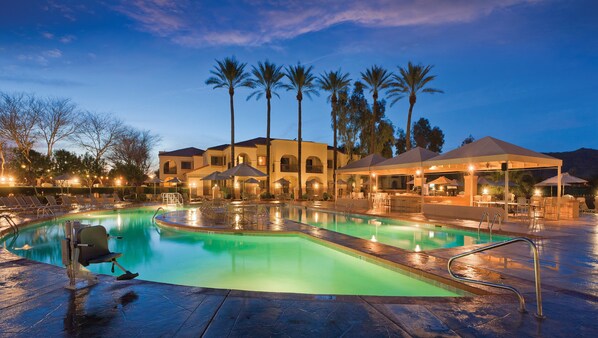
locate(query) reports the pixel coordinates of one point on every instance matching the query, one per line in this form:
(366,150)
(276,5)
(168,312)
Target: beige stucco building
(191,165)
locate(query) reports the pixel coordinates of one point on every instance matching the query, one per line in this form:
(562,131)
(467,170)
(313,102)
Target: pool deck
(34,302)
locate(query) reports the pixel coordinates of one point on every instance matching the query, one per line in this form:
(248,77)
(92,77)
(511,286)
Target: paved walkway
(34,302)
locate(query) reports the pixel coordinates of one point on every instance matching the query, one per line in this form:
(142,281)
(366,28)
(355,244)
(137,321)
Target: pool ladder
(539,313)
(486,216)
(156,213)
(11,223)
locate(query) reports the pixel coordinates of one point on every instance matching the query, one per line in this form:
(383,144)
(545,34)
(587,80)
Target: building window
(186,165)
(261,160)
(329,162)
(217,160)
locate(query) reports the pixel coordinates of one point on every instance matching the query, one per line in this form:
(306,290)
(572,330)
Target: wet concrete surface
(34,302)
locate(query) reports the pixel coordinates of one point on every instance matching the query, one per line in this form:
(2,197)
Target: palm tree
(334,82)
(301,80)
(267,77)
(409,82)
(376,79)
(230,74)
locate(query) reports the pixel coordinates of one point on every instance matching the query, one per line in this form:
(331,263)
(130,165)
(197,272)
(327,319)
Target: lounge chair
(11,204)
(583,207)
(52,203)
(26,205)
(82,202)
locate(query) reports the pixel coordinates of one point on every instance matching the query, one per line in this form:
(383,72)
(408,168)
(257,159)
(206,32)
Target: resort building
(190,165)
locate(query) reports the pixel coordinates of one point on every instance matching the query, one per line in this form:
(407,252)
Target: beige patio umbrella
(442,180)
(242,170)
(154,181)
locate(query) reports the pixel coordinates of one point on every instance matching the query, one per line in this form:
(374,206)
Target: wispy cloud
(40,80)
(63,39)
(41,58)
(258,22)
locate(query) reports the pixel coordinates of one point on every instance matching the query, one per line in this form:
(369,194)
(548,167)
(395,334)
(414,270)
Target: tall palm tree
(301,81)
(376,79)
(409,82)
(334,82)
(267,77)
(230,74)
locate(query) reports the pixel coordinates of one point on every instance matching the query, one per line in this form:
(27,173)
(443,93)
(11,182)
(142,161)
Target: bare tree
(57,121)
(134,147)
(19,114)
(97,133)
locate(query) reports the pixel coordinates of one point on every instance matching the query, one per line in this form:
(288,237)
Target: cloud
(40,81)
(42,58)
(48,35)
(67,39)
(53,53)
(259,22)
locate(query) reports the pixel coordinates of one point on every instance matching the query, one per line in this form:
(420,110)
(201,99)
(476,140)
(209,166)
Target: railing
(11,223)
(156,213)
(314,169)
(170,171)
(172,198)
(44,211)
(288,168)
(539,313)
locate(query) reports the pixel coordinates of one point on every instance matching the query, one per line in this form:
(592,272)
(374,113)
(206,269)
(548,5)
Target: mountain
(582,162)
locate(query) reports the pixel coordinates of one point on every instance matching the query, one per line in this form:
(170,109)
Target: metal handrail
(496,215)
(156,213)
(501,286)
(484,215)
(11,223)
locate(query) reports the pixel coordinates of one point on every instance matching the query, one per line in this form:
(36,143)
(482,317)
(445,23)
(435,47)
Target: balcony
(288,168)
(314,169)
(170,171)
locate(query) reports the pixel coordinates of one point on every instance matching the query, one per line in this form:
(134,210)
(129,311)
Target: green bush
(266,196)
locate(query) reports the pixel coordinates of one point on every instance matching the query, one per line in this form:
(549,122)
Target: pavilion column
(558,192)
(506,194)
(422,190)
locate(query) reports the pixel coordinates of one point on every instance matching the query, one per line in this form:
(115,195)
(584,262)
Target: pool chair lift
(86,244)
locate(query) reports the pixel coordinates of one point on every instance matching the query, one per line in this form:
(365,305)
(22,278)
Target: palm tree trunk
(408,133)
(373,124)
(299,151)
(268,148)
(232,131)
(334,143)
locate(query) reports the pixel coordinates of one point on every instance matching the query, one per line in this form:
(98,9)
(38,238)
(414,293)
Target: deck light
(485,191)
(418,172)
(471,168)
(417,248)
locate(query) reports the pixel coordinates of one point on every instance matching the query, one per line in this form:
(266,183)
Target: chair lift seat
(97,251)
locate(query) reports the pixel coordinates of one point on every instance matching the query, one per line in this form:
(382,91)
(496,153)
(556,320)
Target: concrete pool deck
(33,300)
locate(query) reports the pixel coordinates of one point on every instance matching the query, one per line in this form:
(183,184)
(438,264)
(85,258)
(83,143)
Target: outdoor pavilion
(407,163)
(491,154)
(363,166)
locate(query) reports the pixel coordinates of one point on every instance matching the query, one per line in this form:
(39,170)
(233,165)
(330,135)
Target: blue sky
(522,71)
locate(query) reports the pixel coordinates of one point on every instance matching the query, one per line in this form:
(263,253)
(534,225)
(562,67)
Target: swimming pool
(402,234)
(275,263)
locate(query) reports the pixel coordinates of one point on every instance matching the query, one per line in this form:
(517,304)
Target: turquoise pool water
(402,234)
(275,263)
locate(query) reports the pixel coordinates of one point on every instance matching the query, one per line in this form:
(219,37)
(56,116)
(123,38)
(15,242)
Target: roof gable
(185,152)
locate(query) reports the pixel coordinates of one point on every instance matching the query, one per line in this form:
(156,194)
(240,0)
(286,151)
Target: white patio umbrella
(282,181)
(243,170)
(154,181)
(566,180)
(442,180)
(176,181)
(215,176)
